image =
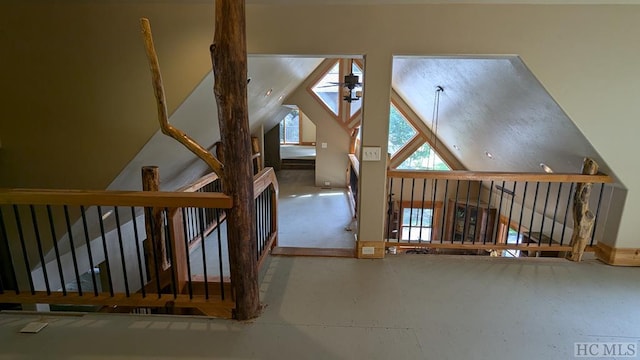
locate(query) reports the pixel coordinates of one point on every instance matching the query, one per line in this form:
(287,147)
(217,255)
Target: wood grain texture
(583,218)
(617,256)
(163,116)
(499,176)
(229,59)
(114,198)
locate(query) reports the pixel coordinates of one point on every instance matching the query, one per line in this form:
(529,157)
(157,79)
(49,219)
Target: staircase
(298,164)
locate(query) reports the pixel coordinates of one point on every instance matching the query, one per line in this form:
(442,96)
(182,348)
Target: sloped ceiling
(493,105)
(197,116)
(489,105)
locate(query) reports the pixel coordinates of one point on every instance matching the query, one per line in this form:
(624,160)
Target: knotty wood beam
(229,59)
(583,218)
(163,116)
(154,226)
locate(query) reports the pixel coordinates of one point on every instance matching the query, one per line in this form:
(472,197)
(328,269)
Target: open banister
(501,213)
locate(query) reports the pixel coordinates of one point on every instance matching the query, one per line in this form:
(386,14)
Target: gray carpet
(310,216)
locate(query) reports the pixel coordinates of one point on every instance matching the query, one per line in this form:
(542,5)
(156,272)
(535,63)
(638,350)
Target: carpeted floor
(310,216)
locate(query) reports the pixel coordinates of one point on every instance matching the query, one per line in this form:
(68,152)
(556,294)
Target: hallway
(402,307)
(310,216)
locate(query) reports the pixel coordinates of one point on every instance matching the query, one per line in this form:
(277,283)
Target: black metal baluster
(513,199)
(466,213)
(43,263)
(219,230)
(566,212)
(10,266)
(73,249)
(122,256)
(477,225)
(413,186)
(23,245)
(154,251)
(400,211)
(433,211)
(134,219)
(170,254)
(204,256)
(257,222)
(56,250)
(544,214)
(104,248)
(499,213)
(88,243)
(186,251)
(524,201)
(389,208)
(421,211)
(595,222)
(555,211)
(455,212)
(533,213)
(444,210)
(486,218)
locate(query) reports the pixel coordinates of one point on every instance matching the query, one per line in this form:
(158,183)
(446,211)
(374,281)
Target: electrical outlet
(371,153)
(327,183)
(323,145)
(368,250)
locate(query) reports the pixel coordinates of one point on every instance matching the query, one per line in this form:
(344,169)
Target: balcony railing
(96,247)
(524,214)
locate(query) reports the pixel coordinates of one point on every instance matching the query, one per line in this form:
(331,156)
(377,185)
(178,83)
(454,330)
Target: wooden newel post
(229,58)
(583,218)
(151,182)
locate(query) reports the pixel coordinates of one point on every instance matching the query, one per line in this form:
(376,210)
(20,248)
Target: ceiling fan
(350,83)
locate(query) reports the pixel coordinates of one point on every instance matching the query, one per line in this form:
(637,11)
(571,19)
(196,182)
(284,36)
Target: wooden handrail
(115,198)
(263,179)
(200,183)
(499,176)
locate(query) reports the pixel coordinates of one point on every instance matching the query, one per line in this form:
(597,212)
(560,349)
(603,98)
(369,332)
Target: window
(416,223)
(403,135)
(512,238)
(424,159)
(328,88)
(290,128)
(400,131)
(419,221)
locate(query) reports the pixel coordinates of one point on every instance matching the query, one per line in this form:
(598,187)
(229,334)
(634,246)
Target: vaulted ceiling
(494,115)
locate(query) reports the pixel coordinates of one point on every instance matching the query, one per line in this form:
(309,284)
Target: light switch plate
(368,250)
(371,153)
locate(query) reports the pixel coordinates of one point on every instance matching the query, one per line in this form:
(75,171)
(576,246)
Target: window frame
(436,215)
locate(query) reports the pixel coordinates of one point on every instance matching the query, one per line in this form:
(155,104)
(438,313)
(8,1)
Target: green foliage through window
(290,128)
(424,159)
(400,131)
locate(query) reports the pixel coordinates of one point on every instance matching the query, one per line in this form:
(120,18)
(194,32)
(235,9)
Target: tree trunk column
(154,226)
(583,218)
(229,58)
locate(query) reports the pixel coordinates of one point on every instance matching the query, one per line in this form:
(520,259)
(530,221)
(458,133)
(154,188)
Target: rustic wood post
(155,234)
(229,59)
(583,218)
